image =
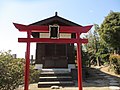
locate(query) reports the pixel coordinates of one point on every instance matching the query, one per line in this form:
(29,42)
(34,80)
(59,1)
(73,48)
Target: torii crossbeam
(63,29)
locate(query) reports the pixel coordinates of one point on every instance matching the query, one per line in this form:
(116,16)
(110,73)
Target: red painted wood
(27,64)
(20,27)
(63,29)
(48,40)
(24,28)
(75,29)
(84,41)
(79,63)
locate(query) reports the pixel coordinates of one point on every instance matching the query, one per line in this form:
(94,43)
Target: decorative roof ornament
(56,13)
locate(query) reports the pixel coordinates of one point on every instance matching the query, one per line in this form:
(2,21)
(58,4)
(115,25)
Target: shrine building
(55,55)
(55,51)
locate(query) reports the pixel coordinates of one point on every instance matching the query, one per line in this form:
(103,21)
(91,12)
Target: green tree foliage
(115,63)
(93,45)
(110,30)
(85,59)
(102,40)
(12,73)
(96,48)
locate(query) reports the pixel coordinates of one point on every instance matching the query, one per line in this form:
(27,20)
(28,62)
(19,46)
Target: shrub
(115,63)
(12,73)
(34,74)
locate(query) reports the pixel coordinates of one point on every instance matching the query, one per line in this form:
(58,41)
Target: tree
(96,48)
(97,43)
(110,30)
(93,46)
(12,73)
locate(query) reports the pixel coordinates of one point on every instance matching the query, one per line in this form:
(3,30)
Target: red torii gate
(63,29)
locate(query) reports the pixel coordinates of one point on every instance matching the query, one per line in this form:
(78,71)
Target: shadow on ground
(97,78)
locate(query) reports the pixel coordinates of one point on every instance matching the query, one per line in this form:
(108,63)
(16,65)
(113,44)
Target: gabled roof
(56,20)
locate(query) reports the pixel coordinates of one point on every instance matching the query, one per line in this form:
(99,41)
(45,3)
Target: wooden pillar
(79,62)
(27,63)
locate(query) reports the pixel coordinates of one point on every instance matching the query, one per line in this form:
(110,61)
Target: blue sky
(83,12)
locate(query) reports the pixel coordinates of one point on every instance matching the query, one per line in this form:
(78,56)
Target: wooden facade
(54,55)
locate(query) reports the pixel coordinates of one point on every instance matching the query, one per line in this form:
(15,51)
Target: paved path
(34,87)
(114,83)
(100,81)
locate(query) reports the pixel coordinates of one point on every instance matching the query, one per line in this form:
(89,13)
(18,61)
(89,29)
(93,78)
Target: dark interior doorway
(56,56)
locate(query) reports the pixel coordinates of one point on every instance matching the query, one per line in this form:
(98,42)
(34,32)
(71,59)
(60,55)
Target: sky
(83,12)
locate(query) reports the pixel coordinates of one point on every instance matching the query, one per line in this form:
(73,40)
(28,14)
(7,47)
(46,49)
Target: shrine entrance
(53,39)
(55,56)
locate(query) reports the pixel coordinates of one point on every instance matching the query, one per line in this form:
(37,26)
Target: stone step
(55,78)
(55,70)
(58,83)
(52,77)
(48,74)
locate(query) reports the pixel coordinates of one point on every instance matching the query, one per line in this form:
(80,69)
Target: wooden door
(55,56)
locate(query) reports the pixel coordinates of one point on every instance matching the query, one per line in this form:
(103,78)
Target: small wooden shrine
(54,55)
(54,38)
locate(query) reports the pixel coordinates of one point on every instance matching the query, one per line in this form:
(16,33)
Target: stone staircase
(55,77)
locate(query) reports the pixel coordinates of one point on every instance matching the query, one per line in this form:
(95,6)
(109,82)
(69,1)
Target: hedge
(12,72)
(115,63)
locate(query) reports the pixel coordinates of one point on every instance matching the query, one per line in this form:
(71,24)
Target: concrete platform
(34,87)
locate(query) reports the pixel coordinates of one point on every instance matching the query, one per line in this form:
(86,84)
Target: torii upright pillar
(63,29)
(79,62)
